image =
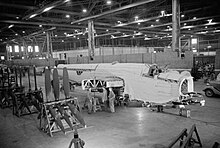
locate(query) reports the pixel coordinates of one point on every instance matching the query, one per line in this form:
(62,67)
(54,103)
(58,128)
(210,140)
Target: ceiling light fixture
(194,18)
(84,10)
(182,15)
(210,21)
(48,8)
(10,26)
(108,2)
(139,23)
(23,31)
(162,13)
(33,15)
(17,17)
(66,1)
(157,20)
(136,18)
(67,16)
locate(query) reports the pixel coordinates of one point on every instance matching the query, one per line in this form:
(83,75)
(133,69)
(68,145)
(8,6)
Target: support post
(176,26)
(49,45)
(91,39)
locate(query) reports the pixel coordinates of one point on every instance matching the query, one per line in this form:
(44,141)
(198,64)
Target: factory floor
(128,127)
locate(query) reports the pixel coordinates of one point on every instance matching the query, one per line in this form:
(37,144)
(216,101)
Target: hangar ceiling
(68,19)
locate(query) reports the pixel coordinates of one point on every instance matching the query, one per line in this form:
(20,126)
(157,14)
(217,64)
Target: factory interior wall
(104,51)
(162,58)
(36,62)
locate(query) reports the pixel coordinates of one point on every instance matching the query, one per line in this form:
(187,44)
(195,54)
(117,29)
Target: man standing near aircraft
(104,98)
(111,97)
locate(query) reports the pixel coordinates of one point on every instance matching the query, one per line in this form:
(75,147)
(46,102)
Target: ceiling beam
(113,11)
(186,21)
(43,9)
(18,6)
(65,12)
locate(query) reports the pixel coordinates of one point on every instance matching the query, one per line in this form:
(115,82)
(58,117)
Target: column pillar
(176,25)
(91,39)
(217,57)
(49,45)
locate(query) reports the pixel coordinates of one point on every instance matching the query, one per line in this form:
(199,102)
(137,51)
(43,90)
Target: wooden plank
(56,84)
(66,85)
(47,84)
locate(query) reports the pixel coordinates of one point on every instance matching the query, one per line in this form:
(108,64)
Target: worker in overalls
(88,101)
(111,97)
(105,98)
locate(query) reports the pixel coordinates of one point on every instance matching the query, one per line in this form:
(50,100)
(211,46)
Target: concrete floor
(127,128)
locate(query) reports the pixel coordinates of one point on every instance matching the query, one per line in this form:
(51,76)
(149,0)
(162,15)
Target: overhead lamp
(48,8)
(108,2)
(17,17)
(157,20)
(67,16)
(194,50)
(84,10)
(23,31)
(136,18)
(44,32)
(189,29)
(16,34)
(139,23)
(62,40)
(33,15)
(66,1)
(152,25)
(210,21)
(184,24)
(107,30)
(194,18)
(10,26)
(55,35)
(162,13)
(119,22)
(182,15)
(147,38)
(40,25)
(206,27)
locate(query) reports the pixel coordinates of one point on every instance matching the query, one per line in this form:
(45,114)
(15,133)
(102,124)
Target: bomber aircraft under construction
(145,82)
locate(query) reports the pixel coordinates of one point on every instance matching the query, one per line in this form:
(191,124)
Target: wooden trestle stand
(59,115)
